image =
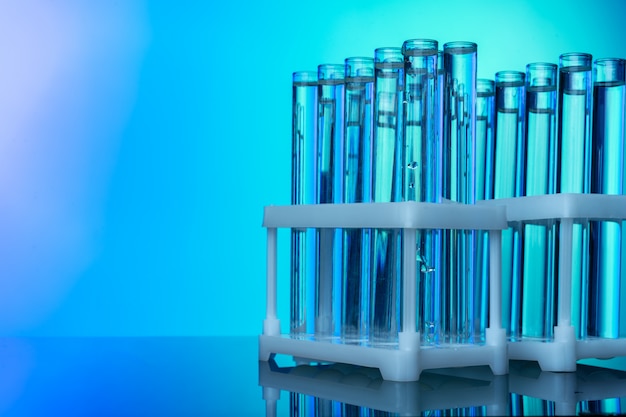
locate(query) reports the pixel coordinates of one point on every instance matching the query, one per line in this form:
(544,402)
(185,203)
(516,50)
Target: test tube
(385,258)
(574,149)
(329,190)
(508,183)
(485,114)
(359,103)
(439,131)
(303,191)
(458,162)
(421,172)
(606,178)
(538,309)
(459,121)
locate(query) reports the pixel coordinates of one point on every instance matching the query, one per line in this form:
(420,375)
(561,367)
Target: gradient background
(140,141)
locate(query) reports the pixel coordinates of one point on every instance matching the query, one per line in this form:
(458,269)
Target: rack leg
(495,279)
(271,325)
(565,273)
(409,281)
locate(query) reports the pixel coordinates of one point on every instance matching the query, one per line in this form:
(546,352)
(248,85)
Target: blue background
(140,141)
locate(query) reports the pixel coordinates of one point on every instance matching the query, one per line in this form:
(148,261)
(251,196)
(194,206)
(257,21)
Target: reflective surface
(130,377)
(199,376)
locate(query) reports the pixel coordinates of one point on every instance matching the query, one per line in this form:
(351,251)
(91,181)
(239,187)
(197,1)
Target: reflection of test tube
(421,171)
(538,310)
(303,252)
(508,181)
(359,79)
(574,149)
(385,252)
(458,265)
(485,113)
(606,178)
(329,190)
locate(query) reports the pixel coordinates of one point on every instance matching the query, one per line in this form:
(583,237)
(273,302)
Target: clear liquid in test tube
(485,124)
(385,251)
(330,130)
(303,191)
(421,173)
(609,103)
(359,103)
(508,182)
(574,172)
(462,315)
(539,292)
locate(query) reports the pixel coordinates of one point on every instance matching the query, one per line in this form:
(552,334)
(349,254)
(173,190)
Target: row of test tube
(414,123)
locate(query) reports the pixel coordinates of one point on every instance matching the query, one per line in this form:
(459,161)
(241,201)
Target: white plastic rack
(561,353)
(406,360)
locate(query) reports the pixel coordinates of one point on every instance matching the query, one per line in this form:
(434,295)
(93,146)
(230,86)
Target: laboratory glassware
(303,162)
(330,130)
(358,131)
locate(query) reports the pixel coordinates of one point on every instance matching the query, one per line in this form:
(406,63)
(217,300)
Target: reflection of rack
(445,389)
(364,387)
(566,389)
(405,360)
(561,353)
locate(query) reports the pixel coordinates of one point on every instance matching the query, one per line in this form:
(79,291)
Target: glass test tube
(485,114)
(538,295)
(623,274)
(303,247)
(359,79)
(606,178)
(421,173)
(385,258)
(329,190)
(508,183)
(574,149)
(458,162)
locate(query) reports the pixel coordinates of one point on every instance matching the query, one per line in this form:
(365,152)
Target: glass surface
(339,389)
(221,376)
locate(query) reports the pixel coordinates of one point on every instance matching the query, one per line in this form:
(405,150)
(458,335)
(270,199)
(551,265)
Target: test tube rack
(562,353)
(406,361)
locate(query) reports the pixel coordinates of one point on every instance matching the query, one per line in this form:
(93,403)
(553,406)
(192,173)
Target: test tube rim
(490,89)
(582,62)
(420,47)
(510,78)
(304,77)
(460,47)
